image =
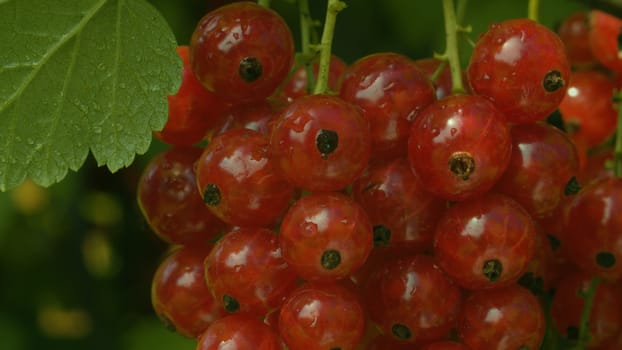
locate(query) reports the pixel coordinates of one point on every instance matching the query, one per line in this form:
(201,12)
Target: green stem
(584,331)
(451,50)
(461,10)
(532,10)
(438,71)
(617,150)
(264,3)
(306,24)
(326,43)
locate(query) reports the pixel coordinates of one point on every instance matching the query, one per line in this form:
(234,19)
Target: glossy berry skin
(257,116)
(298,84)
(321,143)
(502,318)
(459,147)
(587,109)
(596,210)
(179,295)
(544,159)
(574,33)
(241,52)
(239,332)
(246,272)
(170,202)
(412,300)
(486,242)
(603,39)
(321,316)
(391,91)
(238,181)
(605,319)
(401,211)
(192,111)
(522,67)
(325,236)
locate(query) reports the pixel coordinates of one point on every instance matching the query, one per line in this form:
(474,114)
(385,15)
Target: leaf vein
(57,113)
(63,39)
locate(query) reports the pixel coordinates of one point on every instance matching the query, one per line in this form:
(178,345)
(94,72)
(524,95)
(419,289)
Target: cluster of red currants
(392,213)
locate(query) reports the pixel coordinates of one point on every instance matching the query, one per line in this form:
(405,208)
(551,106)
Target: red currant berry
(238,181)
(246,272)
(486,242)
(587,109)
(412,299)
(401,212)
(325,236)
(239,332)
(592,234)
(459,146)
(390,90)
(192,111)
(170,202)
(258,116)
(502,318)
(179,295)
(242,51)
(321,316)
(542,167)
(522,67)
(321,143)
(574,33)
(604,32)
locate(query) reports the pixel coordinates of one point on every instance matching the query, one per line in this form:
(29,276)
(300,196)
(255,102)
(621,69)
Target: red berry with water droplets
(238,181)
(325,236)
(179,295)
(521,66)
(246,272)
(486,242)
(321,143)
(321,316)
(412,299)
(502,318)
(239,332)
(242,51)
(391,91)
(170,202)
(459,147)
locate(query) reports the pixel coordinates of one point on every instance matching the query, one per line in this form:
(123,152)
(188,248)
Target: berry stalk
(451,50)
(461,10)
(306,24)
(617,151)
(326,43)
(584,332)
(533,10)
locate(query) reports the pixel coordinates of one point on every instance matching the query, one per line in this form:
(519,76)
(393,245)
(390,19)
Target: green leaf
(80,75)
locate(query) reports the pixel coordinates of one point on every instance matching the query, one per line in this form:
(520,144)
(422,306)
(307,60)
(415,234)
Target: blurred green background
(76,259)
